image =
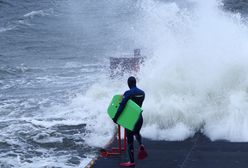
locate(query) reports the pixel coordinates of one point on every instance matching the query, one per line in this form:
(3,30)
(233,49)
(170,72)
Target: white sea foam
(72,65)
(4,29)
(44,12)
(45,138)
(49,123)
(46,161)
(25,20)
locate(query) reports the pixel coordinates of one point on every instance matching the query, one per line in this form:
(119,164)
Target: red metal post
(119,149)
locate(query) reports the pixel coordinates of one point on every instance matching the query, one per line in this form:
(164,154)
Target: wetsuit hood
(131,82)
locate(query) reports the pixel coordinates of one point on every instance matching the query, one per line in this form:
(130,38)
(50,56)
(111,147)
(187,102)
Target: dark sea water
(51,51)
(240,6)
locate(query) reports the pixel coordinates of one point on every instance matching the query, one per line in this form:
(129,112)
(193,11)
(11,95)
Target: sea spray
(195,76)
(196,73)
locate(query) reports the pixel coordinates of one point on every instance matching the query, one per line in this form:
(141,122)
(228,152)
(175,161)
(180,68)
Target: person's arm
(122,106)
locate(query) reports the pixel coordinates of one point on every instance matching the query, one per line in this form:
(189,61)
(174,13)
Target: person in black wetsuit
(138,96)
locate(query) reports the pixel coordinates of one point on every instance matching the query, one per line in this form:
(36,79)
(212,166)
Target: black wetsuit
(138,96)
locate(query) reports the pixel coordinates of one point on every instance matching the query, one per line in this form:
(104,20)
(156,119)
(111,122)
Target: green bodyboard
(129,115)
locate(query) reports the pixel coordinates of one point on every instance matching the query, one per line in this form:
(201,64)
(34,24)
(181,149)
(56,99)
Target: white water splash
(197,75)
